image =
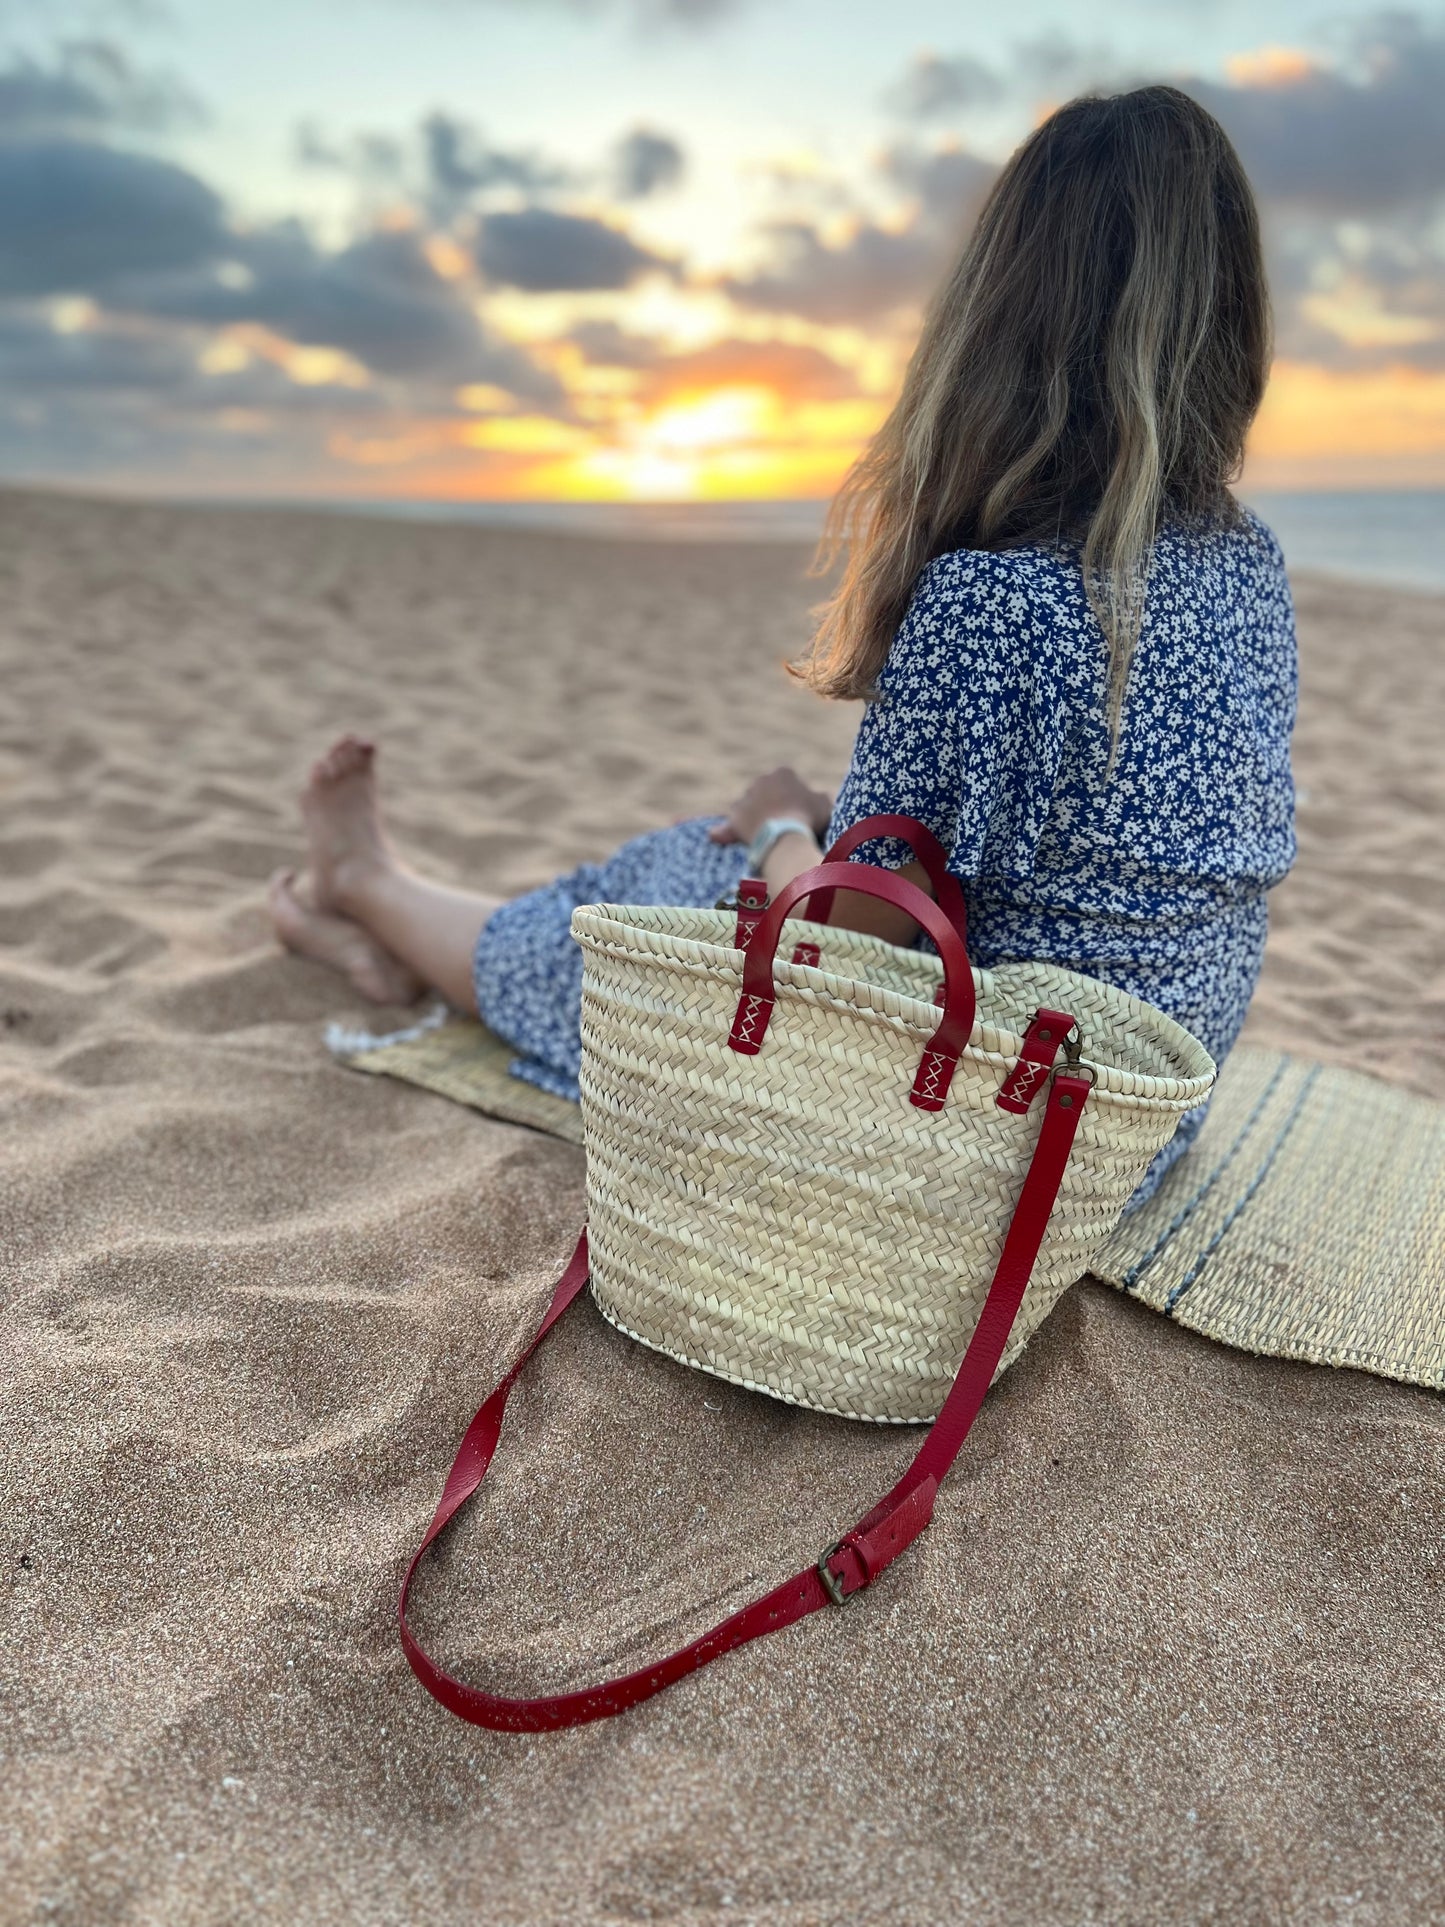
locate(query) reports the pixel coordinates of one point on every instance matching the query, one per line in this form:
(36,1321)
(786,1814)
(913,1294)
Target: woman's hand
(782,792)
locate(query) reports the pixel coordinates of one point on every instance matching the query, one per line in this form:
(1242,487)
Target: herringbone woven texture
(790,1221)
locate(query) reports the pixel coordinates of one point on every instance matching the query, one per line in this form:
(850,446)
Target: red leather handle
(854,1561)
(947,890)
(755,1003)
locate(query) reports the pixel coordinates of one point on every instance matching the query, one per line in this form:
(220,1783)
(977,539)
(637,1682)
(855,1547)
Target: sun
(671,454)
(721,418)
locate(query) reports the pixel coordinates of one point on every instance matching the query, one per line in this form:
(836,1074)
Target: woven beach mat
(1307,1221)
(461,1059)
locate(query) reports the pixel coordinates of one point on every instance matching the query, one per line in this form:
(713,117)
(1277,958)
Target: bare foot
(336,940)
(343,824)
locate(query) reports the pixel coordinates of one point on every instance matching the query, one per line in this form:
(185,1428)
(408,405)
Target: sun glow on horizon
(1330,428)
(735,439)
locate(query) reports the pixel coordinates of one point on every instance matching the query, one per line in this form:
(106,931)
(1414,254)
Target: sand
(1172,1650)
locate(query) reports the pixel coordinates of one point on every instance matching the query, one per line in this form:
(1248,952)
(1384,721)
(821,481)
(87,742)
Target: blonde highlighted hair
(1089,367)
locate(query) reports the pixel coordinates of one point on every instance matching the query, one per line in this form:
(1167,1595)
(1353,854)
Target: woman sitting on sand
(1108,768)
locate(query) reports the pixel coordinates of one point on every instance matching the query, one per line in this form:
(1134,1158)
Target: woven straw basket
(793,1220)
(827,1177)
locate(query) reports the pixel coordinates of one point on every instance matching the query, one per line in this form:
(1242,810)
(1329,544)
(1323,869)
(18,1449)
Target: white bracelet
(768,835)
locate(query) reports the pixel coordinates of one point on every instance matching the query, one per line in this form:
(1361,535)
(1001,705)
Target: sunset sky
(650,249)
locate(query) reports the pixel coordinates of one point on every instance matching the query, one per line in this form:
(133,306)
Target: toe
(347,756)
(329,764)
(350,756)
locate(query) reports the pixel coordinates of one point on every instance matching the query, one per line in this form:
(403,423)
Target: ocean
(1377,535)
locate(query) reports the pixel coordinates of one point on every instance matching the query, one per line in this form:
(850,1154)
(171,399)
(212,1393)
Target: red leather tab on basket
(1047,1030)
(806,953)
(935,1074)
(752,900)
(848,1565)
(750,1023)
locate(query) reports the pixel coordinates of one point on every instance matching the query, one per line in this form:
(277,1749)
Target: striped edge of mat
(1306,1222)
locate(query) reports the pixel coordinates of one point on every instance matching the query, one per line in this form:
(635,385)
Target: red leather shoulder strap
(851,1562)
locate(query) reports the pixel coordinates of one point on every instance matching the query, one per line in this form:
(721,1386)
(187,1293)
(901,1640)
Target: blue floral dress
(990,728)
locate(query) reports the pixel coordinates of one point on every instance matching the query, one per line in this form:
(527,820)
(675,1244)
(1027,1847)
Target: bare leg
(330,939)
(431,929)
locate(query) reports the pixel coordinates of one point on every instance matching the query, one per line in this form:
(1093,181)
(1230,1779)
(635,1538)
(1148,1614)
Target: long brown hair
(1089,367)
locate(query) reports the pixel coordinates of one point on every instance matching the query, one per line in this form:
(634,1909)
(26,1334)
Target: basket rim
(614,927)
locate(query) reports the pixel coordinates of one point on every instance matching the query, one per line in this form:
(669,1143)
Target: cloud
(875,271)
(1357,295)
(447,165)
(146,237)
(793,369)
(1357,138)
(609,346)
(687,13)
(262,388)
(1362,135)
(461,162)
(643,14)
(644,162)
(444,165)
(90,85)
(949,181)
(1347,154)
(118,364)
(1060,65)
(932,85)
(379,300)
(790,369)
(542,251)
(228,430)
(35,356)
(937,86)
(371,157)
(1319,139)
(1348,160)
(76,216)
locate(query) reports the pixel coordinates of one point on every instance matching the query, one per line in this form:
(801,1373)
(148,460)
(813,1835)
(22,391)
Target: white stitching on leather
(1024,1081)
(746,1020)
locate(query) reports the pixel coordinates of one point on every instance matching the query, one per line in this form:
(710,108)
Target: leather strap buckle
(832,1584)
